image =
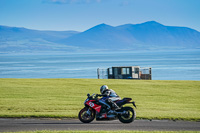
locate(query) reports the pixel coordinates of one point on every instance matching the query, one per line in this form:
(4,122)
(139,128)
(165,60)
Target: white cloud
(125,2)
(71,1)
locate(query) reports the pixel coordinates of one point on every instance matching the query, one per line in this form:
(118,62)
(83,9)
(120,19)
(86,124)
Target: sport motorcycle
(98,108)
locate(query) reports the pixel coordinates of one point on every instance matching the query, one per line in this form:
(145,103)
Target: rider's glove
(98,95)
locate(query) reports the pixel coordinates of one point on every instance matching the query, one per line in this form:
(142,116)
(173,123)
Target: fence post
(98,73)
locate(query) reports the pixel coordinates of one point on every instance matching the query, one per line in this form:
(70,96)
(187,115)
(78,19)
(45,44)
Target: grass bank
(65,97)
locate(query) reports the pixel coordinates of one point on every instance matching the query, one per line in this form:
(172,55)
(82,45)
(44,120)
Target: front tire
(129,116)
(85,117)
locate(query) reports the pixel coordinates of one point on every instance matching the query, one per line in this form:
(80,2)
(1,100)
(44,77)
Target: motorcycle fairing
(93,105)
(103,101)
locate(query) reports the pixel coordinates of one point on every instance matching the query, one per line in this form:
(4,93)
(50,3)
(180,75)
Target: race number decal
(91,104)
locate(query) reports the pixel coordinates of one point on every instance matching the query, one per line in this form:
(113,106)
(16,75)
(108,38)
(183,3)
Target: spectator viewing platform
(125,72)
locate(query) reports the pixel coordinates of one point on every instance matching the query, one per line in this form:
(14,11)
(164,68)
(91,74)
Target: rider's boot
(114,108)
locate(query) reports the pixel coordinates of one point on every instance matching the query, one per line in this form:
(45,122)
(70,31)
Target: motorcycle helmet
(103,88)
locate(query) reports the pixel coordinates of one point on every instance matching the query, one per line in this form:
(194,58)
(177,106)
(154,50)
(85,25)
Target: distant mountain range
(147,36)
(13,39)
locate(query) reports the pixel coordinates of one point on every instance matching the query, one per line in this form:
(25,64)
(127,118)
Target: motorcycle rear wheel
(129,116)
(85,117)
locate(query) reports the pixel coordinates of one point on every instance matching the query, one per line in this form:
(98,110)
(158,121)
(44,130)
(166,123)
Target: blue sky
(81,15)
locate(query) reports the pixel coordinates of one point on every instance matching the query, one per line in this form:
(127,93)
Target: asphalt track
(13,125)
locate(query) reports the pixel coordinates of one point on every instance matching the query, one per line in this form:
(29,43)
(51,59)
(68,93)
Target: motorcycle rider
(110,97)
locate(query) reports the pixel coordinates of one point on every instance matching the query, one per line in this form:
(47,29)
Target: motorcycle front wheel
(127,117)
(86,115)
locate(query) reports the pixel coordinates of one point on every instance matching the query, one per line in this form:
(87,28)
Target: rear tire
(129,116)
(85,117)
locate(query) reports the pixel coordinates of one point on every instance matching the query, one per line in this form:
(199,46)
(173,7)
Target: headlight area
(86,100)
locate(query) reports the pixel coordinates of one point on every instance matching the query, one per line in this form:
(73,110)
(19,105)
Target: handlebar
(96,95)
(99,95)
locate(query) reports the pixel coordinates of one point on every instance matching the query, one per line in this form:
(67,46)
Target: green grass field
(108,132)
(64,97)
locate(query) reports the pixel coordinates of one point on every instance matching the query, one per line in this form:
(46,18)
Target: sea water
(166,65)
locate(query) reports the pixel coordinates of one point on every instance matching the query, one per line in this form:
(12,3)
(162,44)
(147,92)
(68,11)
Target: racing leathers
(111,96)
